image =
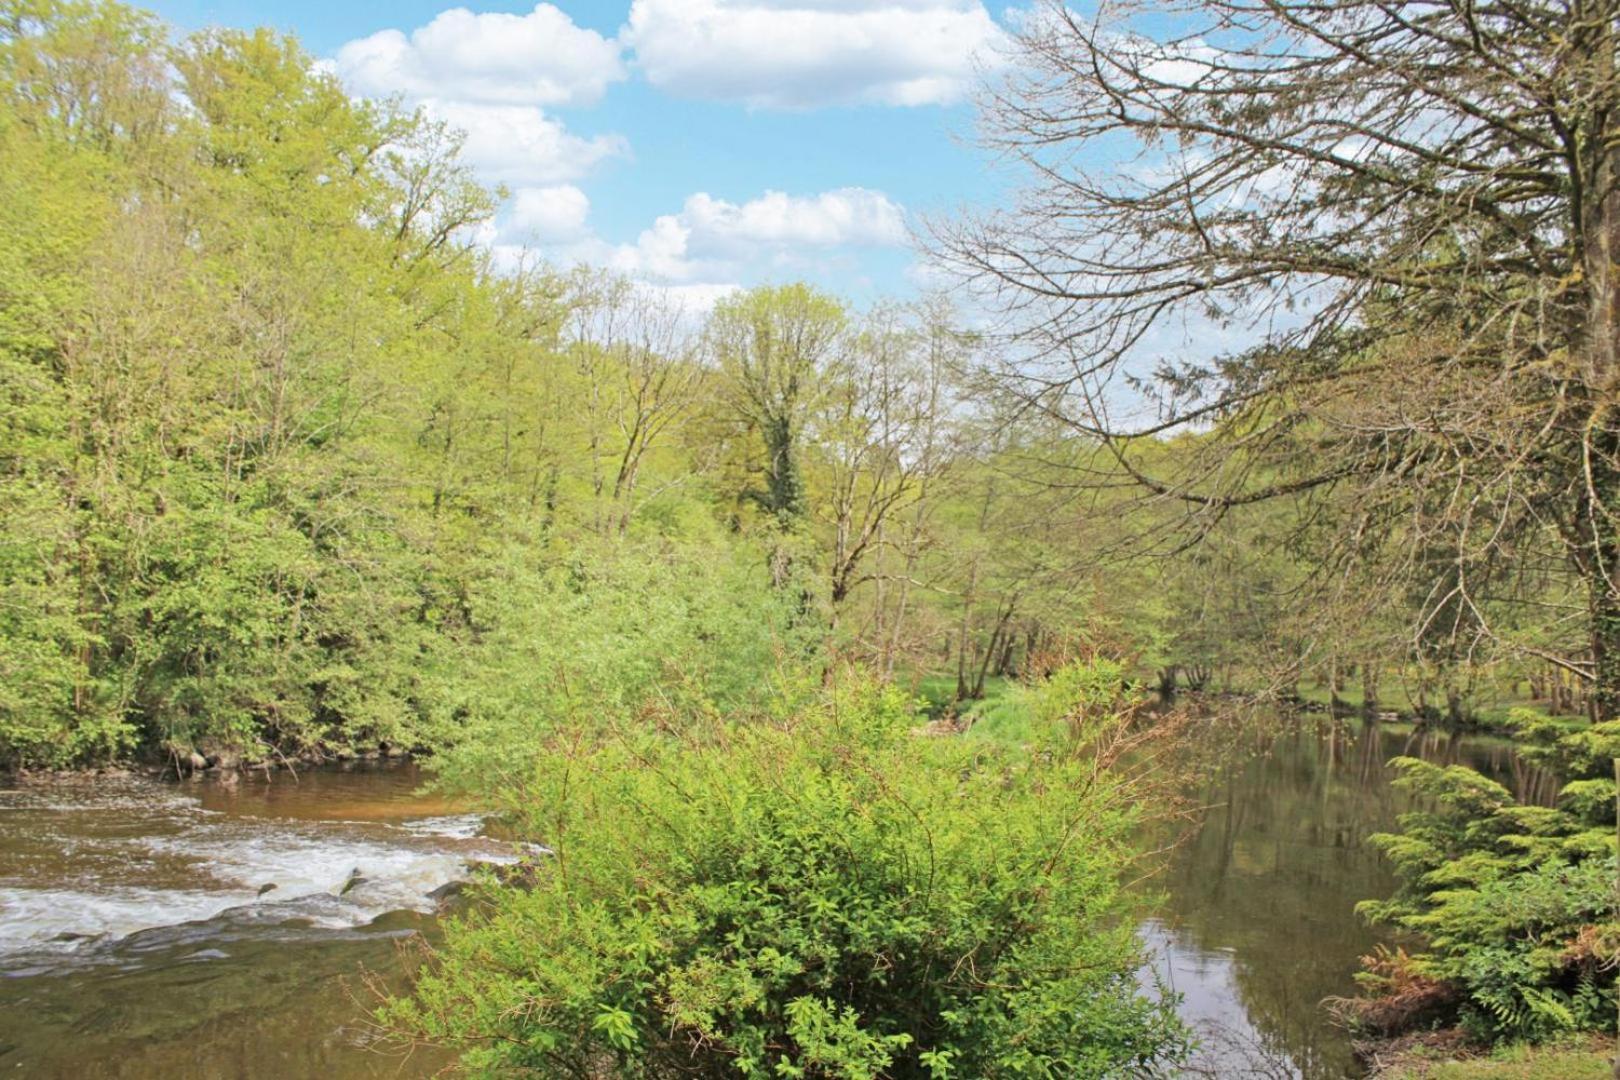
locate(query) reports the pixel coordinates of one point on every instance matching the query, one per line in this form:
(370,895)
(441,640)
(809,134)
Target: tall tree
(772,343)
(1400,221)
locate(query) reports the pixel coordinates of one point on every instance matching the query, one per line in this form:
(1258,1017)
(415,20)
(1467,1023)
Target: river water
(138,937)
(1257,925)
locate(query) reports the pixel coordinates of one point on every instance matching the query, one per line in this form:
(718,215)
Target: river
(138,938)
(1257,924)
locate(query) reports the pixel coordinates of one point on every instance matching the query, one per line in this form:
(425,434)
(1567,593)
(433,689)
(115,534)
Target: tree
(875,437)
(633,351)
(1402,223)
(772,344)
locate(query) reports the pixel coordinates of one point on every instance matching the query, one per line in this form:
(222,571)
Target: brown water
(134,941)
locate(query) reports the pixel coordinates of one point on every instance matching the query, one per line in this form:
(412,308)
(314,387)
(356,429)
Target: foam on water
(459,826)
(130,860)
(65,919)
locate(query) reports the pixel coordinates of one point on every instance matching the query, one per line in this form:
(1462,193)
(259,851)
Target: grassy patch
(938,693)
(1587,1059)
(1488,711)
(1350,697)
(1006,718)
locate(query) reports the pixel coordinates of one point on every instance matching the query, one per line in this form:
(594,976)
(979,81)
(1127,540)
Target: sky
(699,145)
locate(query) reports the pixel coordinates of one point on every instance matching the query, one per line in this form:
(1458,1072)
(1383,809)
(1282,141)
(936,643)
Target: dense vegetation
(821,893)
(290,465)
(286,465)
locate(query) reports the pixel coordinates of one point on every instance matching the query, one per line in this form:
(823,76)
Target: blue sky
(698,144)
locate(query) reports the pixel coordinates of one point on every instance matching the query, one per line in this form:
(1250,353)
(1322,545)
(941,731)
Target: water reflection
(1258,923)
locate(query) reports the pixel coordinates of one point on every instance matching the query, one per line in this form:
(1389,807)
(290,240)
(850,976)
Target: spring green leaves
(830,894)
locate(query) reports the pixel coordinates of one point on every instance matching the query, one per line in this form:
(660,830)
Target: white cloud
(692,301)
(845,216)
(491,75)
(549,214)
(711,237)
(521,146)
(540,58)
(803,53)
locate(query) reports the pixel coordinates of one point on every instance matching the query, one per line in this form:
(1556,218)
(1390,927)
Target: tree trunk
(1369,687)
(1599,230)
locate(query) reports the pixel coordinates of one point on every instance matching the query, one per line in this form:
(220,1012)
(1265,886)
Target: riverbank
(1445,1056)
(1491,715)
(226,766)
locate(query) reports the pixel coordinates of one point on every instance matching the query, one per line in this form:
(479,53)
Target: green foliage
(668,633)
(829,894)
(1071,698)
(286,466)
(1515,902)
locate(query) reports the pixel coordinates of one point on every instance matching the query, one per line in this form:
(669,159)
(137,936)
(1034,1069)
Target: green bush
(663,631)
(828,895)
(1515,902)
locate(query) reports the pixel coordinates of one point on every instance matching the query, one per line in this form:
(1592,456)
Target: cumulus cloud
(492,76)
(804,53)
(711,237)
(540,58)
(549,214)
(692,301)
(520,145)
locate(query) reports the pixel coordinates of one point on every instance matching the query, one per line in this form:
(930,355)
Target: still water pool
(1257,924)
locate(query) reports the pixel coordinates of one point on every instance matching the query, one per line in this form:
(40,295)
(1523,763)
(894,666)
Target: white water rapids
(84,865)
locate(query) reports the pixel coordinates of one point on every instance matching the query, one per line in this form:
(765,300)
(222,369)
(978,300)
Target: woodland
(821,644)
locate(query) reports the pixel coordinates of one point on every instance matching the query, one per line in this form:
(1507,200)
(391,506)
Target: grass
(1350,697)
(1004,718)
(939,693)
(1587,1059)
(1000,714)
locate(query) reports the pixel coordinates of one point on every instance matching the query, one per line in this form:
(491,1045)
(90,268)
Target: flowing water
(138,937)
(203,930)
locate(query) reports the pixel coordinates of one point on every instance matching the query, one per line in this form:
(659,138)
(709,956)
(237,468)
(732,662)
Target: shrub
(1515,902)
(833,895)
(662,631)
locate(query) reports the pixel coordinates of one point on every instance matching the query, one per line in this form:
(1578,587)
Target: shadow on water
(1258,925)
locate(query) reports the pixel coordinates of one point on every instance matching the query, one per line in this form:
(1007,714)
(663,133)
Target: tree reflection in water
(1257,923)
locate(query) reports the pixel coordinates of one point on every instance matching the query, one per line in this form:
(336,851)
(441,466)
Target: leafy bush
(1515,902)
(831,894)
(663,631)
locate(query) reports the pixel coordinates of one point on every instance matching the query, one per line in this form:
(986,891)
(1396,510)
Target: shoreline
(223,769)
